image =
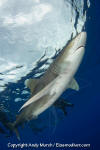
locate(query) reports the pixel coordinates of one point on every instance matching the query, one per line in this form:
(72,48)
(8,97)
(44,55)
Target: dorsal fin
(31,84)
(74,85)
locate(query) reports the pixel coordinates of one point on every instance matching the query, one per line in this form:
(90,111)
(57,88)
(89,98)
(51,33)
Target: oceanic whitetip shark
(59,77)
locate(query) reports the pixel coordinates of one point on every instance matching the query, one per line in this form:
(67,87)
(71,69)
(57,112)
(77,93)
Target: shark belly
(59,86)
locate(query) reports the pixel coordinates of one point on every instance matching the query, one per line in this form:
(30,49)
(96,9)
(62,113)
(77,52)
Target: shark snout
(80,41)
(77,48)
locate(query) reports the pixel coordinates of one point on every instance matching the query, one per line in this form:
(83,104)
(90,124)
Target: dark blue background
(82,124)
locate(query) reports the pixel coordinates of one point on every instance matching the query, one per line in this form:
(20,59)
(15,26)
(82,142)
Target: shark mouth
(82,46)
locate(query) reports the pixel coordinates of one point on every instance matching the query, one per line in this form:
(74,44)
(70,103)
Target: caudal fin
(14,130)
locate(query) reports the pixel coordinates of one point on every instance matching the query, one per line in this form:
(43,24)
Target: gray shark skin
(59,77)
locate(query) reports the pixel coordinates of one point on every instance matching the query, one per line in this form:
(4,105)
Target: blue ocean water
(82,124)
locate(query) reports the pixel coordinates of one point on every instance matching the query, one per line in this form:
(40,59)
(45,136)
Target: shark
(59,77)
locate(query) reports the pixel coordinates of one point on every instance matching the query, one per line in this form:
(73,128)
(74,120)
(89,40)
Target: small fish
(2,130)
(6,123)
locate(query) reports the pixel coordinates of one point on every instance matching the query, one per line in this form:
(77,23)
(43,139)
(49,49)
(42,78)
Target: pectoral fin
(74,85)
(31,84)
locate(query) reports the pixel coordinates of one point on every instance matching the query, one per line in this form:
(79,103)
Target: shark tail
(14,129)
